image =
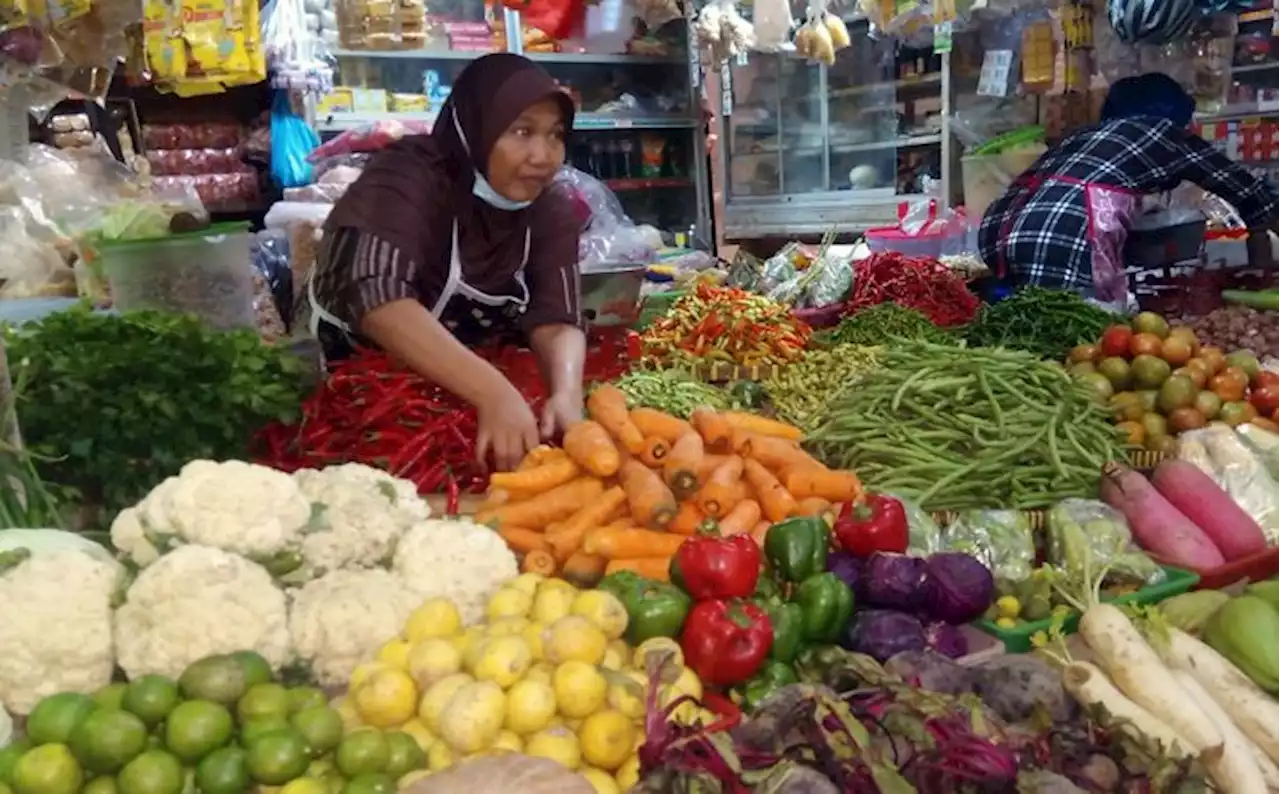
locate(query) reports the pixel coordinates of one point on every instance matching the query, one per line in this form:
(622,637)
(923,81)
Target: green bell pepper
(654,609)
(788,621)
(827,604)
(772,677)
(797,548)
(767,590)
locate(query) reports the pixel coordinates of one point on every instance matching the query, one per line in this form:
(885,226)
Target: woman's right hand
(508,428)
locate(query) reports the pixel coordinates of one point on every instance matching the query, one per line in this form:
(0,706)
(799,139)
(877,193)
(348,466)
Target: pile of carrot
(627,487)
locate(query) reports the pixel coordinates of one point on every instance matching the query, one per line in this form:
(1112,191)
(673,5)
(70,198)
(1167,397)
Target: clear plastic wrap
(31,267)
(353,160)
(924,534)
(609,236)
(270,252)
(1086,529)
(999,539)
(1222,454)
(1264,444)
(368,138)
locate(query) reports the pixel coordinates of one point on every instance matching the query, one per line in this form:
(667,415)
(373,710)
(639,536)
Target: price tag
(994,80)
(942,37)
(726,89)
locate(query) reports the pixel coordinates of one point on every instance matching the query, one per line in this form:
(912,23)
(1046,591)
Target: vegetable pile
(1239,328)
(801,391)
(991,428)
(671,391)
(712,323)
(1042,321)
(917,283)
(881,324)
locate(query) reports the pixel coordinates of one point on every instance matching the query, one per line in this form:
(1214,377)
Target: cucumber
(1268,299)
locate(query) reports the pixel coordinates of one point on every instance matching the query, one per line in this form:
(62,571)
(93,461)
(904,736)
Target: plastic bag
(321,166)
(1265,445)
(1223,455)
(285,214)
(773,22)
(30,267)
(270,253)
(999,539)
(1085,528)
(924,535)
(292,140)
(369,138)
(609,236)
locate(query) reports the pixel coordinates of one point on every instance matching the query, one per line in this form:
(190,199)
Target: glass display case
(808,147)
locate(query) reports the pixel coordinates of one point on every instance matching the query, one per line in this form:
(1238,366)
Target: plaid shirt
(1041,230)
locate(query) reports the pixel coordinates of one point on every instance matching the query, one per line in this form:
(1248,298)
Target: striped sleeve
(375,272)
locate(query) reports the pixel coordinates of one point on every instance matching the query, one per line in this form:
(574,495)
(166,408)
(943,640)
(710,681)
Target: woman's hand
(562,409)
(507,428)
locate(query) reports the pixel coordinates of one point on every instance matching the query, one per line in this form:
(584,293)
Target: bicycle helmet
(1151,21)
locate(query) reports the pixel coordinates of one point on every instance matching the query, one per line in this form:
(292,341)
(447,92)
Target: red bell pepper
(713,566)
(726,642)
(879,524)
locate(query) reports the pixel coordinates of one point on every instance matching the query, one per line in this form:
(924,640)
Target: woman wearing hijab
(1062,223)
(450,239)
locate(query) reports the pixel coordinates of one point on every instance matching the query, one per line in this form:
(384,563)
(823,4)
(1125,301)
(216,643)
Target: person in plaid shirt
(1062,223)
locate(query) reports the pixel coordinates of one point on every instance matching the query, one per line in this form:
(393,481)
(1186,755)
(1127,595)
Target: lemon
(395,653)
(627,693)
(472,653)
(574,638)
(530,706)
(686,683)
(540,671)
(664,650)
(556,583)
(532,634)
(473,716)
(387,698)
(507,742)
(601,781)
(363,672)
(507,627)
(629,773)
(607,737)
(437,697)
(508,602)
(436,617)
(527,583)
(580,689)
(420,733)
(409,778)
(558,744)
(1008,606)
(440,757)
(433,659)
(613,660)
(551,603)
(503,660)
(604,610)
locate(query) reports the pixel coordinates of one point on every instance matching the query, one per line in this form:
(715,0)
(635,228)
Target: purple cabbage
(957,588)
(882,633)
(947,639)
(892,581)
(847,567)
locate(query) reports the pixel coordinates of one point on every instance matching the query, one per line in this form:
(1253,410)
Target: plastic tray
(1018,638)
(1253,568)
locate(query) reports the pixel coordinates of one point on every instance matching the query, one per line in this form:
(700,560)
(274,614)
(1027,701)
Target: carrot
(708,465)
(617,544)
(540,455)
(588,444)
(680,469)
(655,451)
(754,423)
(537,479)
(774,453)
(608,406)
(759,531)
(539,561)
(555,505)
(584,570)
(741,519)
(774,500)
(523,541)
(567,538)
(716,433)
(688,518)
(831,484)
(658,568)
(812,506)
(651,501)
(720,491)
(741,490)
(652,422)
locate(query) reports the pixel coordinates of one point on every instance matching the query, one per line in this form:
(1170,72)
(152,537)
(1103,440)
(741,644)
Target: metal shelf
(341,122)
(625,59)
(416,55)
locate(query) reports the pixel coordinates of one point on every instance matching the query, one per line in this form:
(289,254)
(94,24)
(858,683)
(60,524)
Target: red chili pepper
(450,495)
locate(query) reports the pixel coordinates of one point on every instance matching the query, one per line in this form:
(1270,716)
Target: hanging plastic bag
(292,140)
(773,22)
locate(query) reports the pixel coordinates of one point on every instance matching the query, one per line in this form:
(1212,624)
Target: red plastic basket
(1254,568)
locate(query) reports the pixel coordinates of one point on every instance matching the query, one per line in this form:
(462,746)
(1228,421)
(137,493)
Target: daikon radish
(1253,711)
(1139,673)
(1157,525)
(1199,498)
(1091,687)
(1235,770)
(1270,771)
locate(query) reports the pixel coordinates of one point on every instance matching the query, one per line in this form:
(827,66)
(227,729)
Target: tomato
(1145,345)
(1265,398)
(1229,384)
(1115,341)
(1266,378)
(1214,357)
(1237,413)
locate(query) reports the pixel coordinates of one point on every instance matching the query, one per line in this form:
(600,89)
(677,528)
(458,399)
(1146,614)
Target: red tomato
(1266,399)
(1266,377)
(1115,341)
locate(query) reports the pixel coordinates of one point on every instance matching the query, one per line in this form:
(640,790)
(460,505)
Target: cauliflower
(343,618)
(459,560)
(55,626)
(197,601)
(252,510)
(365,513)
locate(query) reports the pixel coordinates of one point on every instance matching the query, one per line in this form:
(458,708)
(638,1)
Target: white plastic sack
(1224,456)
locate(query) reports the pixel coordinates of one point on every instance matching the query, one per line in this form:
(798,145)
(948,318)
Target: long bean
(977,428)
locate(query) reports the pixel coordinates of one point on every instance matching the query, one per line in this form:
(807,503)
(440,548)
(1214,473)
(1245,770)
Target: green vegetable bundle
(801,391)
(1042,321)
(959,430)
(885,323)
(112,404)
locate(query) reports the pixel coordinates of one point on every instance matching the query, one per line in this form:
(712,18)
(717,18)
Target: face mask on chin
(481,188)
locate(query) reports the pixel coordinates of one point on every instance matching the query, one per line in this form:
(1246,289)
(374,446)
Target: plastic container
(1018,638)
(207,273)
(1254,568)
(986,177)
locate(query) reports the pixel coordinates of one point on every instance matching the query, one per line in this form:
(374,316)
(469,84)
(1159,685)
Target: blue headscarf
(1151,94)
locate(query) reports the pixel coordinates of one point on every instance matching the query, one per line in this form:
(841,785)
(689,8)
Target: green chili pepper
(797,548)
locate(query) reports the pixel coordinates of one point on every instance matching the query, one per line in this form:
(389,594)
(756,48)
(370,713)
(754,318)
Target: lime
(100,785)
(404,755)
(321,726)
(4,789)
(362,752)
(47,769)
(216,678)
(153,772)
(321,767)
(262,701)
(151,697)
(256,668)
(9,756)
(305,785)
(54,717)
(335,783)
(371,783)
(277,757)
(224,771)
(107,740)
(250,731)
(110,696)
(306,697)
(196,728)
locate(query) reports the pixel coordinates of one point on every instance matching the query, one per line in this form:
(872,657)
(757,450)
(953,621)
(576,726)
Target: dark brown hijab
(411,192)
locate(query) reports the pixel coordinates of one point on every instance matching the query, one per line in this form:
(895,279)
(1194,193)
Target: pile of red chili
(920,283)
(373,411)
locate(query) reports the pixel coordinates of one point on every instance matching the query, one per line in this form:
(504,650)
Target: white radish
(1139,673)
(1270,771)
(1091,687)
(1254,711)
(1235,770)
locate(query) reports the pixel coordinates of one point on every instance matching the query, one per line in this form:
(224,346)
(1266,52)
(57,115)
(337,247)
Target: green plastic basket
(655,305)
(1018,638)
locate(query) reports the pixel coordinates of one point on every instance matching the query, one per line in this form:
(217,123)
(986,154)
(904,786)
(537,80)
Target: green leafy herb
(1042,321)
